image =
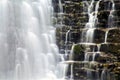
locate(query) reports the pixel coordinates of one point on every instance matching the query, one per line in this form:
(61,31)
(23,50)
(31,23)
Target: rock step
(79,25)
(75,35)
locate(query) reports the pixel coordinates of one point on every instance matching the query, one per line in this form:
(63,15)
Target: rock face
(71,38)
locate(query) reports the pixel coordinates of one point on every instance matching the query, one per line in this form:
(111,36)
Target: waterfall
(111,16)
(93,22)
(110,20)
(91,26)
(28,48)
(66,41)
(105,75)
(60,12)
(106,36)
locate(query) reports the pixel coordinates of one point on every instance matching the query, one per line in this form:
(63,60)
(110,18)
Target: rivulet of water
(91,26)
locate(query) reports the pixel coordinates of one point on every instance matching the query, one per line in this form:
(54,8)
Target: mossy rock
(99,36)
(75,36)
(78,52)
(114,36)
(78,49)
(117,76)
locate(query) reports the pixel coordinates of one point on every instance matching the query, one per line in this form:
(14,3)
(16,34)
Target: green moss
(81,4)
(117,76)
(78,49)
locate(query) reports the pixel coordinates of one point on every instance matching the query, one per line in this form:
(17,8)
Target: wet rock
(104,48)
(99,36)
(77,71)
(75,36)
(103,18)
(78,53)
(114,36)
(117,5)
(75,18)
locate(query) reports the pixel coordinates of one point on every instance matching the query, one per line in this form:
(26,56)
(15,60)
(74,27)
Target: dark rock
(99,36)
(114,36)
(74,20)
(78,53)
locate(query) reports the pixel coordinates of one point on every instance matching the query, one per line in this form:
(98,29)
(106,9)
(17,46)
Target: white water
(105,75)
(93,20)
(61,12)
(111,15)
(91,26)
(110,20)
(28,48)
(89,35)
(106,34)
(66,42)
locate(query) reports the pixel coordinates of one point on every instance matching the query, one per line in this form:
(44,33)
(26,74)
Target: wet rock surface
(106,38)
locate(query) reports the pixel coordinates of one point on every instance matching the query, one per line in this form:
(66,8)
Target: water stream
(110,19)
(111,15)
(106,34)
(89,39)
(91,26)
(28,48)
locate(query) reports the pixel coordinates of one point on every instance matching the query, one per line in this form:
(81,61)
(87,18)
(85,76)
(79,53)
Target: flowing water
(87,38)
(66,42)
(106,34)
(111,16)
(91,26)
(28,48)
(110,19)
(105,75)
(93,20)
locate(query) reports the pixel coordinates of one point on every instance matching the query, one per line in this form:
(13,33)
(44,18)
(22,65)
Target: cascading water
(27,41)
(91,60)
(91,26)
(110,19)
(105,74)
(66,42)
(111,16)
(61,12)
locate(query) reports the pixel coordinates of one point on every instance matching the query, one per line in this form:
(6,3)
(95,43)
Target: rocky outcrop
(71,32)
